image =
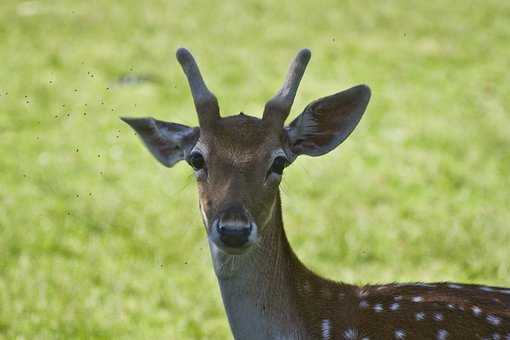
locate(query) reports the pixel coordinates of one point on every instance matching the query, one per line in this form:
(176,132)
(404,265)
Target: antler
(278,108)
(206,103)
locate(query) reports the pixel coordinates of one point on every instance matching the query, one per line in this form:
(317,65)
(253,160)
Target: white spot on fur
(394,306)
(438,316)
(417,299)
(378,308)
(398,298)
(493,320)
(494,336)
(476,310)
(362,293)
(400,334)
(419,316)
(442,334)
(351,334)
(326,327)
(454,286)
(450,306)
(487,289)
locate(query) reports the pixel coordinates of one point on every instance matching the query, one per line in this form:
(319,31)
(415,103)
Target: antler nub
(278,108)
(206,103)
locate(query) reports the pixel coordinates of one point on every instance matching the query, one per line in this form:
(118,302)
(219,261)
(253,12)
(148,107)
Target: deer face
(237,179)
(239,160)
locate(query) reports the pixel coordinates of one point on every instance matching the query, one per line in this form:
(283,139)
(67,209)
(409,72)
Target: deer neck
(264,291)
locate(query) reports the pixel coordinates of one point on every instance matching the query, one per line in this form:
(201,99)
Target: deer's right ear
(168,142)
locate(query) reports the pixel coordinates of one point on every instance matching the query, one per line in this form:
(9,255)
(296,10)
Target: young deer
(267,292)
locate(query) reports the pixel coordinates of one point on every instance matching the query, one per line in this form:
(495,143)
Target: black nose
(234,235)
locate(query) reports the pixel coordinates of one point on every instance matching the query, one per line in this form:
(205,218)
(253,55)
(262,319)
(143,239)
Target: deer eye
(279,163)
(196,161)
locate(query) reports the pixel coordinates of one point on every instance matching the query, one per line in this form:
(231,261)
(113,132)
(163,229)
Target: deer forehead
(240,140)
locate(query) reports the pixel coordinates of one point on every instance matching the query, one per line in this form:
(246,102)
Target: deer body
(267,292)
(272,295)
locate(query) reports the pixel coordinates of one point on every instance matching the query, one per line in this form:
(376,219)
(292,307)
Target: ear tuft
(134,122)
(141,125)
(363,92)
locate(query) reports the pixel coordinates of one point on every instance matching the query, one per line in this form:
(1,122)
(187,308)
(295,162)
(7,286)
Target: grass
(99,241)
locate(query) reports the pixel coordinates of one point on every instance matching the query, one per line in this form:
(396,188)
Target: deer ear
(327,122)
(168,142)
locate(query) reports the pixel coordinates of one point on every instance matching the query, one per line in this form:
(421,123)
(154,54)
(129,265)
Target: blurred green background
(97,240)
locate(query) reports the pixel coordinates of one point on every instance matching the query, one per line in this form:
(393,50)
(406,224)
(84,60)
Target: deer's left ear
(168,142)
(327,122)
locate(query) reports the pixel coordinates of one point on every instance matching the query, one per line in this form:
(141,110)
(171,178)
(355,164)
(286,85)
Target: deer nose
(234,227)
(234,234)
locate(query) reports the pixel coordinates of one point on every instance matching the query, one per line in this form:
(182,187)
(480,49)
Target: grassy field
(97,240)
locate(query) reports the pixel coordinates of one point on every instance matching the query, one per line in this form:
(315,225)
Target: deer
(267,292)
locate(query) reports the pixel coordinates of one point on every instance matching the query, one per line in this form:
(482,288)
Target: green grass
(97,240)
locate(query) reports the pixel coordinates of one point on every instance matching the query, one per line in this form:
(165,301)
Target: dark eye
(196,160)
(278,165)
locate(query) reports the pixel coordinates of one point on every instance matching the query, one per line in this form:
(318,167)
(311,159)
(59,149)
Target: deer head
(239,160)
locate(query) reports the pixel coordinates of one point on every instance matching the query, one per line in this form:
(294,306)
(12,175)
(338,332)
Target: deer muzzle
(234,230)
